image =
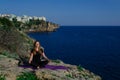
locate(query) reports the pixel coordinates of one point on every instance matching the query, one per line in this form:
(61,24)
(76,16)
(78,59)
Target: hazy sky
(67,12)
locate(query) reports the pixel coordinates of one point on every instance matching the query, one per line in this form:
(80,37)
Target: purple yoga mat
(52,67)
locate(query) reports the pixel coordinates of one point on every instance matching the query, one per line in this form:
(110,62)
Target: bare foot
(38,67)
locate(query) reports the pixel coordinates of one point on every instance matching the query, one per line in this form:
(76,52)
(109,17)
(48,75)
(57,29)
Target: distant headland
(31,23)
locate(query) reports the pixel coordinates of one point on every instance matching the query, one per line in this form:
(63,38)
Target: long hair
(40,50)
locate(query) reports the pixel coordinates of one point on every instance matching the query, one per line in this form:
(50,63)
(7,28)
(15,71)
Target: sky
(67,12)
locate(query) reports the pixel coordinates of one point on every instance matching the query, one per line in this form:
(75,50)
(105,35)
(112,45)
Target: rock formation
(10,69)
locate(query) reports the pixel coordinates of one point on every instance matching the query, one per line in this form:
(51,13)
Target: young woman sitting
(37,56)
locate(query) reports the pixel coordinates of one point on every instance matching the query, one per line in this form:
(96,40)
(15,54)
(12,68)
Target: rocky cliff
(15,47)
(14,41)
(44,27)
(55,70)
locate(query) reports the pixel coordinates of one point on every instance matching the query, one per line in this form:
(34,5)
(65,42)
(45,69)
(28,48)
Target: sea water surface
(96,48)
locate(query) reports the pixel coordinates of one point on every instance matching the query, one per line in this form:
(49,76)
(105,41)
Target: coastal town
(27,23)
(23,18)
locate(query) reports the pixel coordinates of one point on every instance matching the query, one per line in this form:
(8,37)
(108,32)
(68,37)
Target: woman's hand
(43,54)
(31,57)
(48,60)
(29,62)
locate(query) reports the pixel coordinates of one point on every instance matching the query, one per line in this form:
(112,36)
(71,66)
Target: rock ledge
(9,67)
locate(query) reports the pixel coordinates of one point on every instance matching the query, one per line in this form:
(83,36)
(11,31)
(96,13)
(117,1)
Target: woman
(37,56)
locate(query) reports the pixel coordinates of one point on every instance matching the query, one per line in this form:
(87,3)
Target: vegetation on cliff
(12,40)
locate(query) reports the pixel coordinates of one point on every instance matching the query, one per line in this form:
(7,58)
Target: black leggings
(43,63)
(40,64)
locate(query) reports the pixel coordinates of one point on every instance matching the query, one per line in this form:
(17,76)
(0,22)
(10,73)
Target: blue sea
(96,48)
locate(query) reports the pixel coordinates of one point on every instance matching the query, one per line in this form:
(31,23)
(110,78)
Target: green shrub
(70,76)
(2,77)
(80,68)
(6,24)
(27,76)
(56,61)
(8,54)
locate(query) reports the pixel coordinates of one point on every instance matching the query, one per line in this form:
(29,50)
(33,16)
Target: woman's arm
(31,57)
(45,56)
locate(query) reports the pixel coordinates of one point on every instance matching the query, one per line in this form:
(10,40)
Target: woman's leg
(34,65)
(43,63)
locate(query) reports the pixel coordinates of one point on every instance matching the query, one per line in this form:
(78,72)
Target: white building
(30,18)
(12,16)
(42,18)
(11,19)
(18,18)
(35,17)
(23,19)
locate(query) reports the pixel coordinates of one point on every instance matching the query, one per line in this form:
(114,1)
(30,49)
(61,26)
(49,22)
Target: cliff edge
(55,70)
